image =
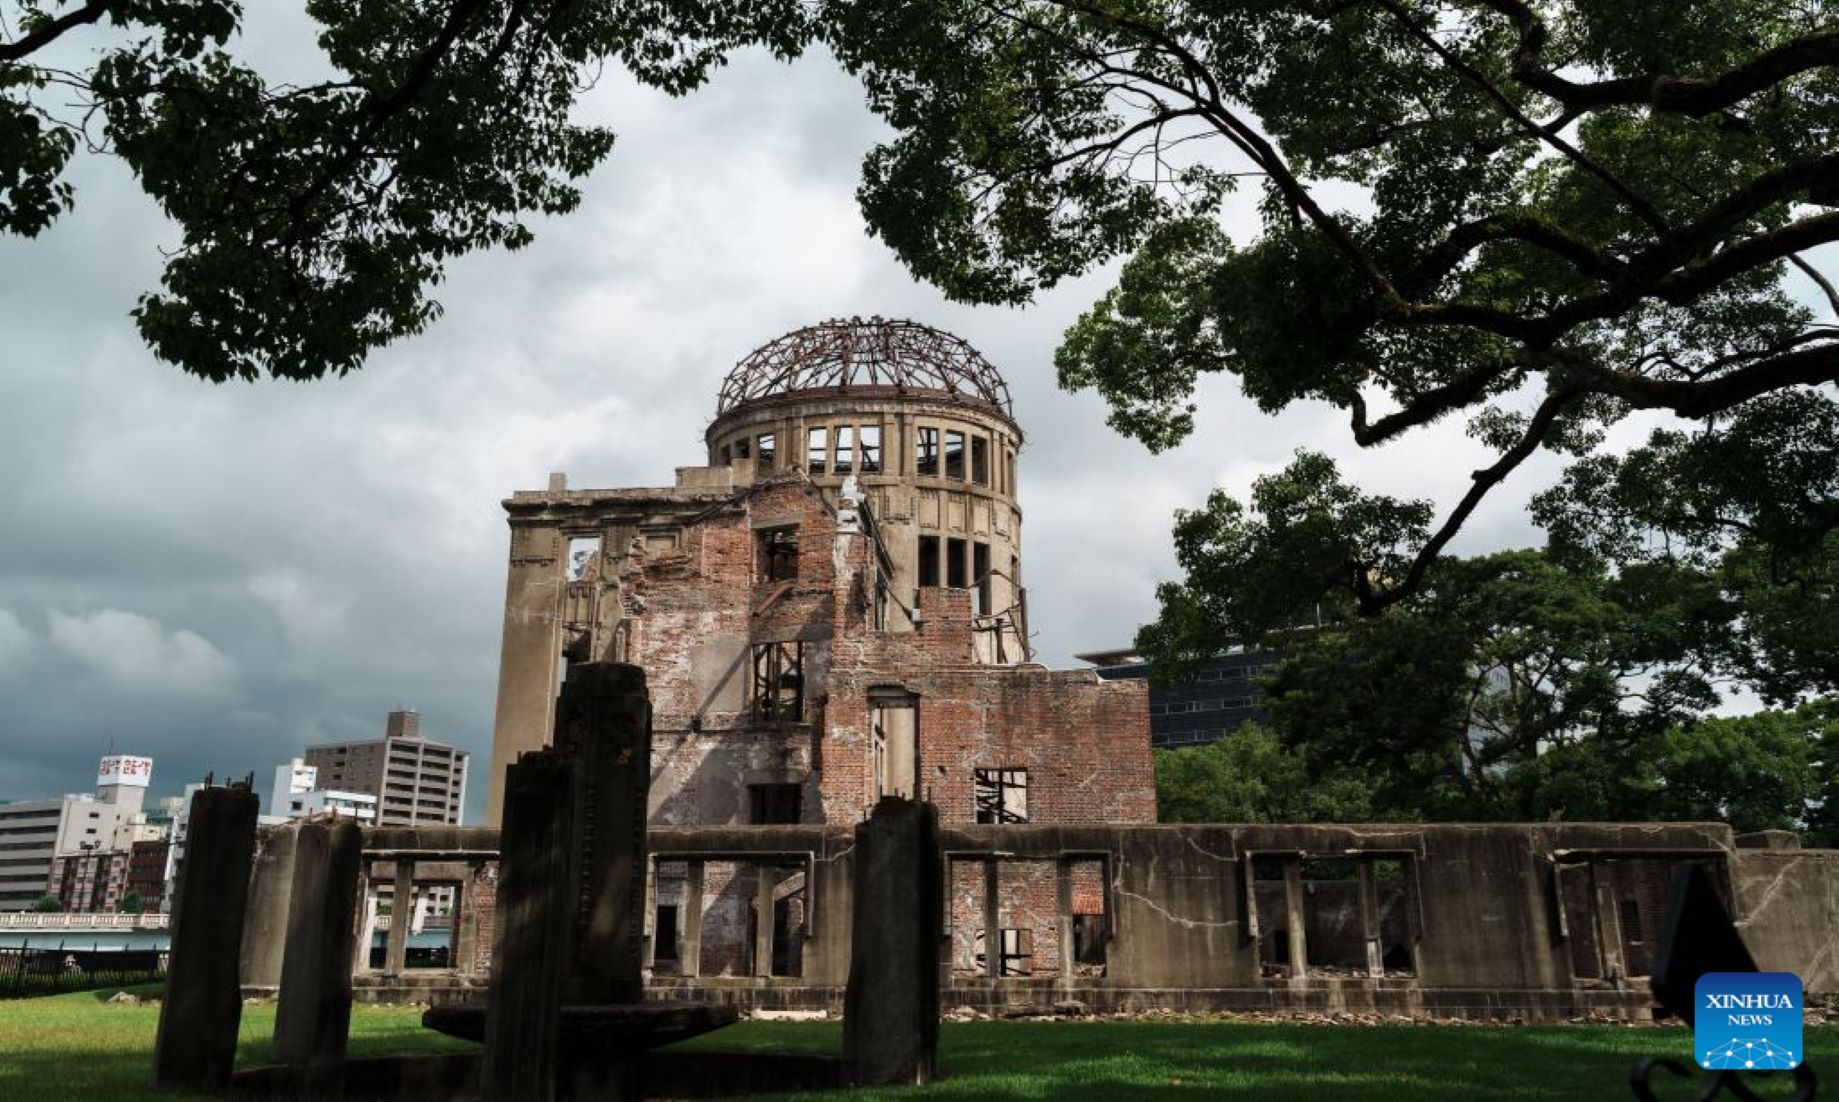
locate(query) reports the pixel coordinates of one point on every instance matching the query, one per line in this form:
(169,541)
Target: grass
(81,1046)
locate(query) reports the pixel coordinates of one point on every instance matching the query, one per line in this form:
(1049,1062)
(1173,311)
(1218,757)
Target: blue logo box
(1747,1021)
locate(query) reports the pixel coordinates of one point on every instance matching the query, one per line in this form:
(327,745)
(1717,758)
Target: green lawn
(79,1046)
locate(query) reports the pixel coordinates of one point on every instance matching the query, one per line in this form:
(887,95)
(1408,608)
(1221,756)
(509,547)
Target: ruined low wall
(1525,921)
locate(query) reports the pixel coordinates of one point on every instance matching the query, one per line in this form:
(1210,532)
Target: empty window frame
(778,559)
(929,560)
(743,448)
(1009,462)
(1002,795)
(954,455)
(778,682)
(926,451)
(765,449)
(583,558)
(980,461)
(980,578)
(870,439)
(1017,953)
(775,803)
(843,461)
(817,450)
(955,573)
(664,934)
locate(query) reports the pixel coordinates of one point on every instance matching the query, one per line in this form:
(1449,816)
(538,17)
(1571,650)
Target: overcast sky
(220,576)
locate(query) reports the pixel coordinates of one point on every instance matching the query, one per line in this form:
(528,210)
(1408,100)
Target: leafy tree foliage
(1544,216)
(1249,776)
(132,903)
(47,904)
(314,218)
(1524,685)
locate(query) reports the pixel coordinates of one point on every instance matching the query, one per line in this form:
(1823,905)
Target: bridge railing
(54,921)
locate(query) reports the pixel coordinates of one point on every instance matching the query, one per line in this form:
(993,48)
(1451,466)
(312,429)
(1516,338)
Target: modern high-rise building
(416,780)
(34,832)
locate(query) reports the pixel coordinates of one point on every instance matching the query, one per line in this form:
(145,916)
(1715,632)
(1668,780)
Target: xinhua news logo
(1748,1021)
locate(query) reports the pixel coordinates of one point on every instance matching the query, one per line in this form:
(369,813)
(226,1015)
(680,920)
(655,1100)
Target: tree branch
(50,32)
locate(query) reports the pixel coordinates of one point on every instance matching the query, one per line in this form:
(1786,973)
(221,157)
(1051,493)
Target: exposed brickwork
(692,608)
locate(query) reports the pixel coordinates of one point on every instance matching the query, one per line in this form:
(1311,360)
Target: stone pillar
(271,884)
(992,918)
(1296,919)
(1369,920)
(195,1047)
(532,647)
(367,921)
(313,1017)
(691,948)
(402,908)
(534,907)
(466,924)
(891,1010)
(603,718)
(764,875)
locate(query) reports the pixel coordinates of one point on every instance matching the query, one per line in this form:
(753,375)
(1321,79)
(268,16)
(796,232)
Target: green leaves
(316,220)
(1469,209)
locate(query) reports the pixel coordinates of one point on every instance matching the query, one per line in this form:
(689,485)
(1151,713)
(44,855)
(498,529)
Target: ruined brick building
(830,610)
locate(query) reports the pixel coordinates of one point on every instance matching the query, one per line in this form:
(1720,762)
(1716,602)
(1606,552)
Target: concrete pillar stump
(195,1048)
(891,1009)
(313,1016)
(536,902)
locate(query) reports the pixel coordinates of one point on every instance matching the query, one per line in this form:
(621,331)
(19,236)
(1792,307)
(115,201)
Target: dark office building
(1223,695)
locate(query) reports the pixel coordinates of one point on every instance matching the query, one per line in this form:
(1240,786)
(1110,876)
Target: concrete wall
(1466,920)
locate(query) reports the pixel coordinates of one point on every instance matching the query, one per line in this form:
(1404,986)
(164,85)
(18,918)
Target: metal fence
(40,971)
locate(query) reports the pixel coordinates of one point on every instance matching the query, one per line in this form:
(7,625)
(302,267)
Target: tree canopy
(1518,686)
(1542,216)
(315,218)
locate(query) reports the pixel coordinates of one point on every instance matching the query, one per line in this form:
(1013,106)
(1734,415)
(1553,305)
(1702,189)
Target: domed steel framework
(876,352)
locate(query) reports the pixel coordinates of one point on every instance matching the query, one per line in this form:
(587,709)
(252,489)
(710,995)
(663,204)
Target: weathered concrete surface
(1487,928)
(265,924)
(313,1017)
(603,719)
(535,904)
(1788,903)
(891,1012)
(195,1048)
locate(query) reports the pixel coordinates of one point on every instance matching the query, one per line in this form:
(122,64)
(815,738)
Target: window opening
(1334,932)
(817,450)
(929,560)
(766,449)
(664,933)
(1017,957)
(1002,795)
(778,682)
(954,564)
(1272,912)
(842,461)
(954,455)
(926,452)
(583,556)
(742,448)
(871,449)
(778,554)
(980,461)
(776,803)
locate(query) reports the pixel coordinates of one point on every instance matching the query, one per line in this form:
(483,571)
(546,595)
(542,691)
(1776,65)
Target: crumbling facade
(830,610)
